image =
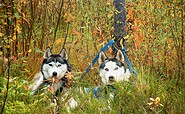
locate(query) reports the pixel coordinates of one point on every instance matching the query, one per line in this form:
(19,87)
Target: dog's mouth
(111,80)
(52,81)
(56,79)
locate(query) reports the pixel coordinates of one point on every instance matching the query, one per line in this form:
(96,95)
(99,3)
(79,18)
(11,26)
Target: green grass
(131,97)
(154,39)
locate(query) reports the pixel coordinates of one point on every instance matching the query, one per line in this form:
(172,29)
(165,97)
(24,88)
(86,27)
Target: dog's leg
(37,82)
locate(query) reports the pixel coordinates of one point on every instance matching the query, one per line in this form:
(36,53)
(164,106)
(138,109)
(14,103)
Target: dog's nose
(111,78)
(54,74)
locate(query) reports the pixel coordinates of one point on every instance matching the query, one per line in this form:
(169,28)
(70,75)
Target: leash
(96,58)
(127,60)
(110,43)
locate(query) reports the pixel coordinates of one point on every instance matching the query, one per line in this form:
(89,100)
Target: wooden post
(119,22)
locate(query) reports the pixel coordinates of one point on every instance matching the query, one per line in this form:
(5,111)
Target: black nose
(54,74)
(111,78)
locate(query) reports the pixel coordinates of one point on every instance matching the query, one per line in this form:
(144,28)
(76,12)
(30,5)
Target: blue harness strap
(128,62)
(96,58)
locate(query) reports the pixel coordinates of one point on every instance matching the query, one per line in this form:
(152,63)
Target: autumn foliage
(155,37)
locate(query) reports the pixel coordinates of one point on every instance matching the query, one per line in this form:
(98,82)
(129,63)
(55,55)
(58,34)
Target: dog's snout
(111,77)
(54,74)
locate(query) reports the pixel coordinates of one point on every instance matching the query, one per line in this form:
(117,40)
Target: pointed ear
(120,56)
(63,53)
(102,57)
(47,53)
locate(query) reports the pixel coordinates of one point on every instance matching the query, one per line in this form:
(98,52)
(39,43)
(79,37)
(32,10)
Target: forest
(155,46)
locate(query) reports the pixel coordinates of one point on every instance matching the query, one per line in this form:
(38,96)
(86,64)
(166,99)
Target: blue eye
(106,69)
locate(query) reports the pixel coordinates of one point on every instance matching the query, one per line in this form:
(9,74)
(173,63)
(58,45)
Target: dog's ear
(120,56)
(102,57)
(47,53)
(63,53)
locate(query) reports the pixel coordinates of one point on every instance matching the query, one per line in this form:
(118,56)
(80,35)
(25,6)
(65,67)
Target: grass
(131,97)
(156,49)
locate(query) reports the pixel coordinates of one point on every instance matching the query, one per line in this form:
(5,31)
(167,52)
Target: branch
(58,22)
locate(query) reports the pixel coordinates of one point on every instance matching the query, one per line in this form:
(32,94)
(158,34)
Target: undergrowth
(155,42)
(147,93)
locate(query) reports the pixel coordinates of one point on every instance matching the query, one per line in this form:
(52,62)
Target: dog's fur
(113,70)
(54,66)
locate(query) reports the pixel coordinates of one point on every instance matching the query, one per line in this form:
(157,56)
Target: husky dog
(113,70)
(53,70)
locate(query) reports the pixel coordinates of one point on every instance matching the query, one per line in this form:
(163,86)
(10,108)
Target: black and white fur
(53,65)
(113,70)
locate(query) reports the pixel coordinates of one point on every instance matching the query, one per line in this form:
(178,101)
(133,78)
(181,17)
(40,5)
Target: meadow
(155,47)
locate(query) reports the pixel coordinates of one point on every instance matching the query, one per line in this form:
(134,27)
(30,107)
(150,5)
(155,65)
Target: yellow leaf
(110,15)
(69,75)
(24,61)
(1,34)
(152,99)
(18,29)
(3,23)
(29,50)
(14,37)
(150,103)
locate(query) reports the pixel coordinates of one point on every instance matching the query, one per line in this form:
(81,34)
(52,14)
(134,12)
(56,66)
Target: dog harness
(102,91)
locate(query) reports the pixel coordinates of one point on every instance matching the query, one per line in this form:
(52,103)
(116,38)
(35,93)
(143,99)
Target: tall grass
(155,39)
(130,97)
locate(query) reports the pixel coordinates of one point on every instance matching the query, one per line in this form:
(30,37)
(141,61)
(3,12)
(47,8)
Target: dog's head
(54,65)
(112,69)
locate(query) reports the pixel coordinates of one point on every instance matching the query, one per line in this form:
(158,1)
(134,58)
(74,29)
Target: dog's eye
(59,65)
(50,65)
(106,69)
(116,68)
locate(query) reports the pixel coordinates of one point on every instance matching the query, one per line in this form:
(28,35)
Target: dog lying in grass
(111,70)
(54,77)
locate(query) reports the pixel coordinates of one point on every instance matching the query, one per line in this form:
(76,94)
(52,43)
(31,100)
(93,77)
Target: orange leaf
(69,76)
(25,87)
(99,39)
(69,17)
(170,40)
(59,41)
(75,32)
(51,89)
(110,50)
(137,40)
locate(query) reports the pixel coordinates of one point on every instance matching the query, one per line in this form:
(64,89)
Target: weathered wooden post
(119,23)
